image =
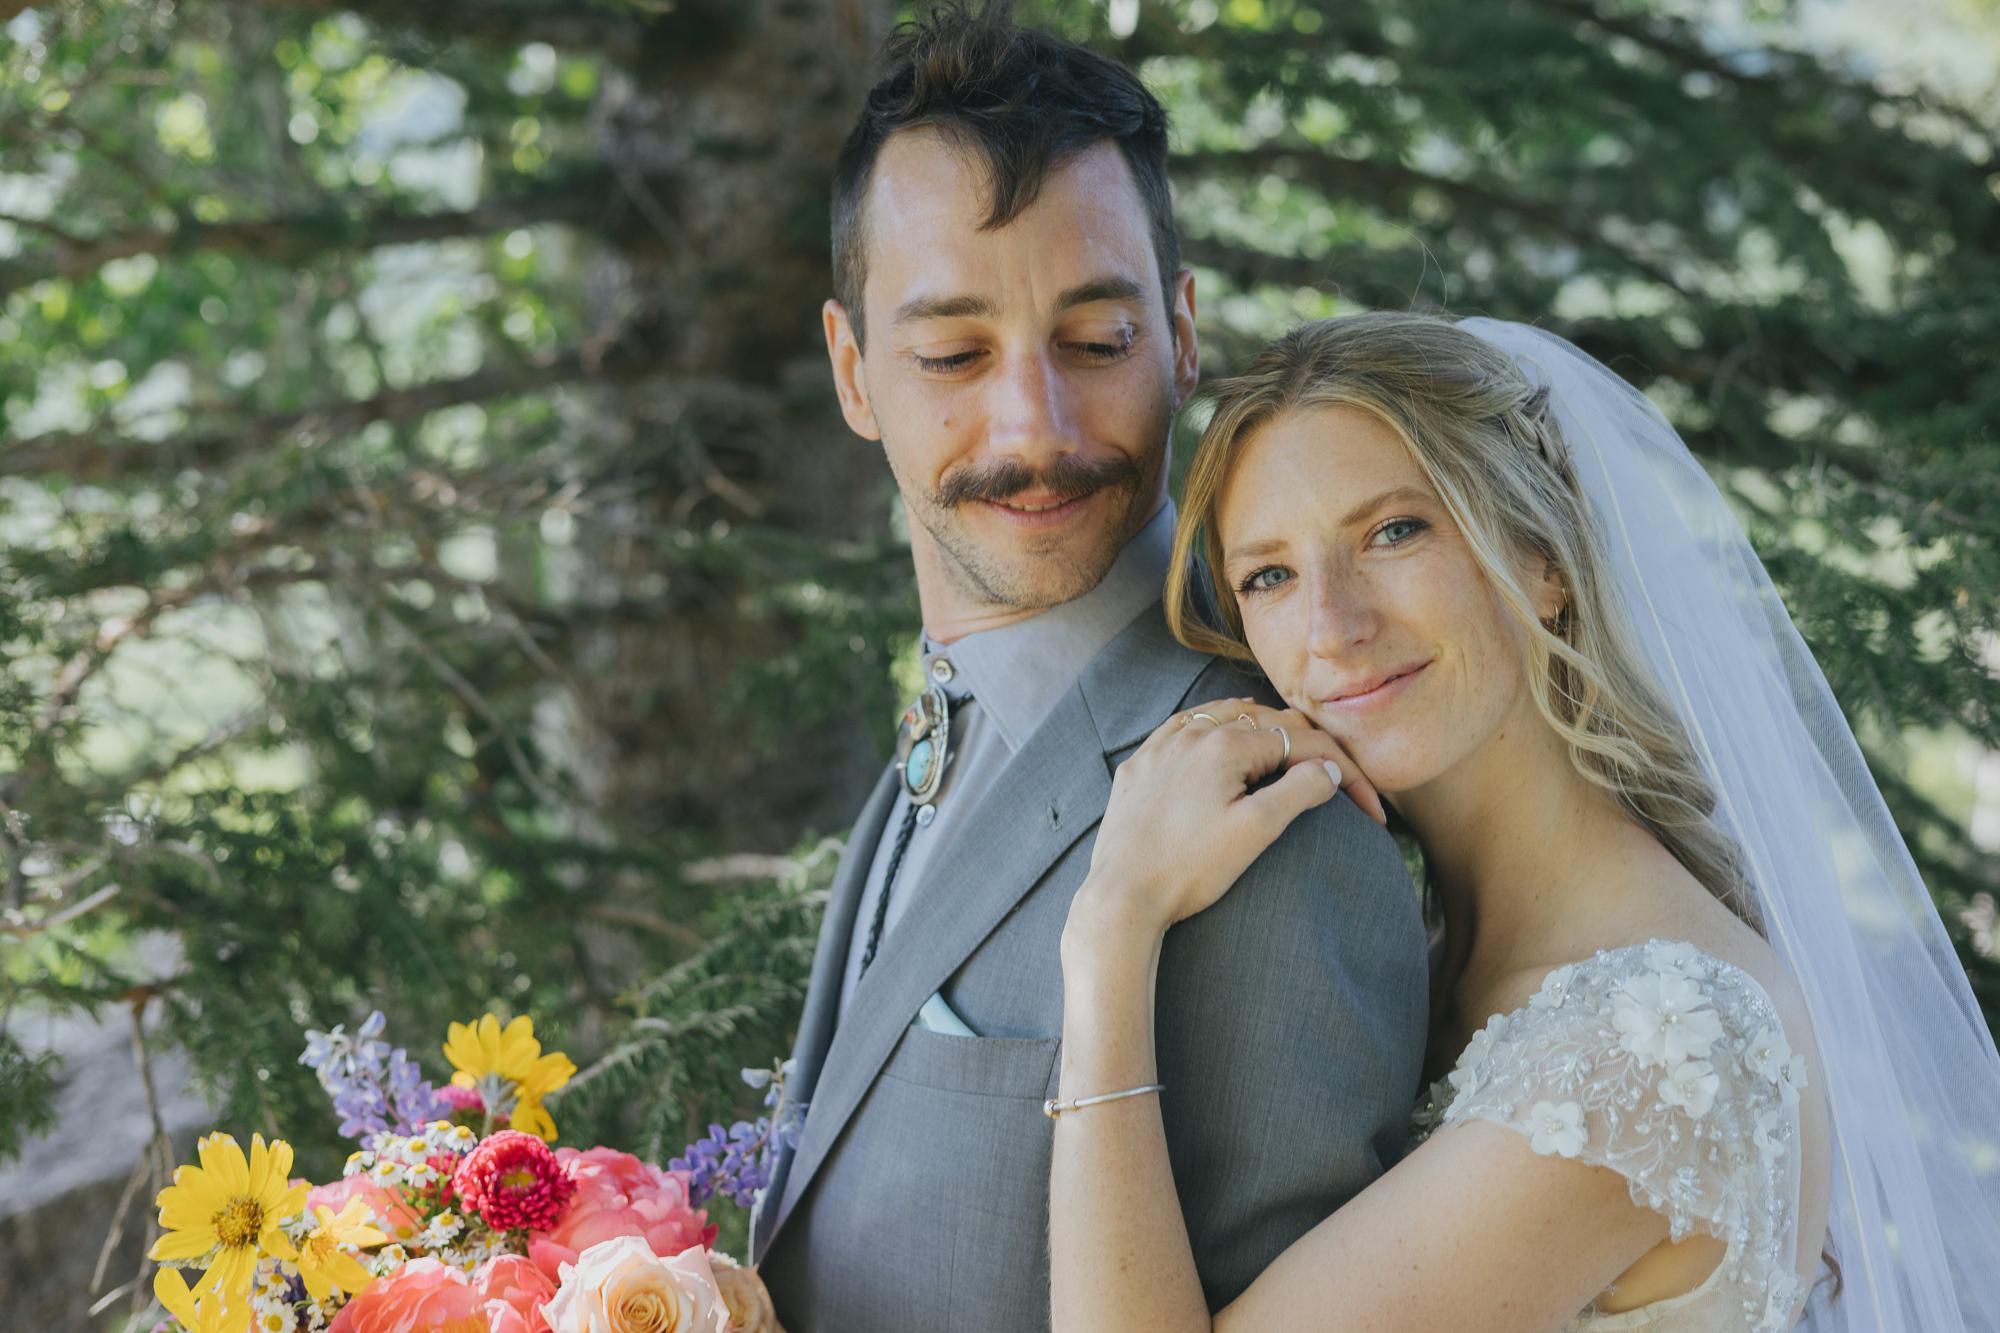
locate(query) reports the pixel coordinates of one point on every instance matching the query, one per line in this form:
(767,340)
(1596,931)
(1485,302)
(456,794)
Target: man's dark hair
(1024,101)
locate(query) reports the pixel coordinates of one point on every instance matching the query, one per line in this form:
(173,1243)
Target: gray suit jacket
(1290,1031)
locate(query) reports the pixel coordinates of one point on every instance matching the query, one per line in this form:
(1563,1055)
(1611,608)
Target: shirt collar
(1018,672)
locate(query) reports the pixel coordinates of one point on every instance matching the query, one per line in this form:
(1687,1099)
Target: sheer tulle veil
(1910,1071)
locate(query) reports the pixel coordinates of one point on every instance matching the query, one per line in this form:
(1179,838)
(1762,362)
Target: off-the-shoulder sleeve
(1669,1067)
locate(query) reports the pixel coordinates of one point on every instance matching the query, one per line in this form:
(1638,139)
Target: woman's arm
(1113,1208)
(1474,1230)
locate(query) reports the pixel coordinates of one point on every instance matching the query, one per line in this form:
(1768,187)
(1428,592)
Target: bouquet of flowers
(458,1214)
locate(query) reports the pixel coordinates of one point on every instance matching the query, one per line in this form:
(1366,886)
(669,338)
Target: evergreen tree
(434,574)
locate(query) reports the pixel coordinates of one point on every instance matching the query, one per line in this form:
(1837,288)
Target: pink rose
(620,1286)
(425,1297)
(619,1195)
(514,1291)
(392,1215)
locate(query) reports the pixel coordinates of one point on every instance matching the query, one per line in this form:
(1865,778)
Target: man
(1012,324)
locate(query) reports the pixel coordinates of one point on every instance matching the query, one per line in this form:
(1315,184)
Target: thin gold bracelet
(1053,1108)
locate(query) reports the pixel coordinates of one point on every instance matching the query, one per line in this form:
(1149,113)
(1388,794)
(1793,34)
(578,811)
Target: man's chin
(1041,581)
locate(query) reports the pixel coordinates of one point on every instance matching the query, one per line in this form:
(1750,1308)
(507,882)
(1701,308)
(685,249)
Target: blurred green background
(434,574)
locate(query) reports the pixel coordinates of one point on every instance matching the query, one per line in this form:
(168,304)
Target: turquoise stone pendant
(923,744)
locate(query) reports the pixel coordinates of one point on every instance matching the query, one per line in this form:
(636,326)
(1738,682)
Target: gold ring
(1210,717)
(1245,717)
(1286,757)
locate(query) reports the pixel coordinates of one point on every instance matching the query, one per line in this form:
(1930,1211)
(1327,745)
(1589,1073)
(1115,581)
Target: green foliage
(421,563)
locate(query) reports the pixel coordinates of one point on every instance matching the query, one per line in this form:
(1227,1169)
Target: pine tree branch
(577,200)
(692,33)
(1390,185)
(97,457)
(1358,273)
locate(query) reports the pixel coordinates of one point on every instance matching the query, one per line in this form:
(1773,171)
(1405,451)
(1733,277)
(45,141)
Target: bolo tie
(923,748)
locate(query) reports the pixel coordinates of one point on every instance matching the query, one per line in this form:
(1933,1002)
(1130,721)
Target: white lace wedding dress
(1670,1067)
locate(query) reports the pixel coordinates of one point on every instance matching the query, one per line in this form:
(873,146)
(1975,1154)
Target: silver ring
(1209,717)
(1286,757)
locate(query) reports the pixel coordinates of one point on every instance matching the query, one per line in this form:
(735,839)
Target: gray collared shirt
(1014,675)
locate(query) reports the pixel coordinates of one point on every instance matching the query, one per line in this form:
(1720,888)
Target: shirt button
(942,670)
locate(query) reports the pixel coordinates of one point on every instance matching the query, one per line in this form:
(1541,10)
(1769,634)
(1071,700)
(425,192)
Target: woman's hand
(1183,823)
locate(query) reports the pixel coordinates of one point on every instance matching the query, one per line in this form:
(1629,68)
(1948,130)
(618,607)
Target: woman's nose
(1342,615)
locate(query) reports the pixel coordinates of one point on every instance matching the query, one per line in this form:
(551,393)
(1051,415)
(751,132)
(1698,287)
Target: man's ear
(1187,353)
(850,376)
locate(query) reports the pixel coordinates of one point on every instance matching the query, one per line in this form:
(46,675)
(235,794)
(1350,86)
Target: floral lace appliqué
(1670,1067)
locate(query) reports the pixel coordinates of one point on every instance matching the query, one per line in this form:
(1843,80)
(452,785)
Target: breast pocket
(970,1109)
(1022,1067)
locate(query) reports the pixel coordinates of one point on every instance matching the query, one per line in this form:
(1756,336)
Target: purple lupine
(737,1162)
(375,1089)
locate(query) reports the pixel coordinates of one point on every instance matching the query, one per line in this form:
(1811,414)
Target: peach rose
(620,1286)
(426,1297)
(392,1215)
(750,1308)
(619,1195)
(514,1291)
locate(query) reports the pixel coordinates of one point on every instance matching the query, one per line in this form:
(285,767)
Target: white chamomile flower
(1555,988)
(1691,1086)
(1664,1019)
(1558,1128)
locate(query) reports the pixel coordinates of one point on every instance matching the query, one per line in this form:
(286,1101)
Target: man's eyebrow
(1100,289)
(944,307)
(979,307)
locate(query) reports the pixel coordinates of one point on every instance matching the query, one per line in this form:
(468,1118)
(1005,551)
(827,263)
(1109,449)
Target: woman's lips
(1382,693)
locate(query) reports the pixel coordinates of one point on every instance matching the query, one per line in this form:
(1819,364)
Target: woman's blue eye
(1408,527)
(1265,579)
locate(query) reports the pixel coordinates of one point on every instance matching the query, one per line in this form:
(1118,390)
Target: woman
(1495,589)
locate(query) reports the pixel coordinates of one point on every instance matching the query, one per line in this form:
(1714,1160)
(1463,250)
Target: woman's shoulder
(1661,1021)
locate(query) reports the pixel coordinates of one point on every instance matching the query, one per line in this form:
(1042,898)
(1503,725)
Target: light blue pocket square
(937,1016)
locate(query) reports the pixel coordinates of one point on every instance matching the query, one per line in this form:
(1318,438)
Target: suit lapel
(1051,793)
(822,1009)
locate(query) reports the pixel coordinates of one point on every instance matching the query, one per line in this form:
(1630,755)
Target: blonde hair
(1484,438)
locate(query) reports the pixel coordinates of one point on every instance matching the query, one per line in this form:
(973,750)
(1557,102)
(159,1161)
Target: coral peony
(514,1291)
(620,1286)
(514,1182)
(619,1195)
(396,1219)
(750,1308)
(425,1297)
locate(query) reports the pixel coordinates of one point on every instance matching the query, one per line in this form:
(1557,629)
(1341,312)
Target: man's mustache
(1067,478)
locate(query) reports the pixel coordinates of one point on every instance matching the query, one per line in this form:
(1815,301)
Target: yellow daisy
(230,1208)
(323,1265)
(210,1314)
(489,1057)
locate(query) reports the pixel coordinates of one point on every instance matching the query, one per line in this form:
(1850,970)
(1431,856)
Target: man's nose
(1030,414)
(1343,615)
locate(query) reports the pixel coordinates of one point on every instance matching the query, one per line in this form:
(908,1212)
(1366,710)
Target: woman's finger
(1301,788)
(1348,776)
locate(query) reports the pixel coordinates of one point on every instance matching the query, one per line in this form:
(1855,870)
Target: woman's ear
(1551,598)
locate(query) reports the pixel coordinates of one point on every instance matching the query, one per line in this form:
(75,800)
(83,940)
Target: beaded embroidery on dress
(1671,1067)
